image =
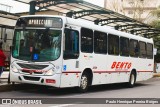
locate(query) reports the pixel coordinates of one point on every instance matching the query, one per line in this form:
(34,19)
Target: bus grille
(29,72)
(31,78)
(31,66)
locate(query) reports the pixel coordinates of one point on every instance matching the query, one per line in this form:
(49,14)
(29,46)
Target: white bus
(63,52)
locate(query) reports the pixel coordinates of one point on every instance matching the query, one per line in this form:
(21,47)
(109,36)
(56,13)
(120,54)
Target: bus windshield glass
(37,44)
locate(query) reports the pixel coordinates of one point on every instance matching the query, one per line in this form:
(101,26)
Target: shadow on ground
(58,92)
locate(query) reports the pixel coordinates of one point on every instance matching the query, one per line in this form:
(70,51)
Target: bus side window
(124,46)
(86,40)
(143,50)
(149,51)
(100,42)
(71,44)
(134,48)
(113,44)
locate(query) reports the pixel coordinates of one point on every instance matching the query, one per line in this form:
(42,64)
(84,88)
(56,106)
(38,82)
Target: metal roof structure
(98,15)
(6,19)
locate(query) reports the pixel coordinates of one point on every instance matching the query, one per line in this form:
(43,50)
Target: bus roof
(91,25)
(107,29)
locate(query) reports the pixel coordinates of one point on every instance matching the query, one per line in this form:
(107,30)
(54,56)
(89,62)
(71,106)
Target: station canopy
(100,16)
(7,20)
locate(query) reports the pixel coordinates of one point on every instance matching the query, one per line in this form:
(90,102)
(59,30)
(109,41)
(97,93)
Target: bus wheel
(132,80)
(84,83)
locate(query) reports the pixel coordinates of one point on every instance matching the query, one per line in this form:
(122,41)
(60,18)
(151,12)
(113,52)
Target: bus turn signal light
(50,81)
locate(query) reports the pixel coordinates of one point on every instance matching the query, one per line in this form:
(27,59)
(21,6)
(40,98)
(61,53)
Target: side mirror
(155,51)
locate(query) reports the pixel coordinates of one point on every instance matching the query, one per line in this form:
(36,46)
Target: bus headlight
(14,69)
(50,72)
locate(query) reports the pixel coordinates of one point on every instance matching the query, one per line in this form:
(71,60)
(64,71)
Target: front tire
(84,83)
(132,80)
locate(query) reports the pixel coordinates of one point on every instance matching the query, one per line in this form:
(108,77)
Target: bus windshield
(37,44)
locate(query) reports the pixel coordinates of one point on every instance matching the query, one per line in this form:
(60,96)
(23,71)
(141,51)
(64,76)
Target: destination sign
(39,22)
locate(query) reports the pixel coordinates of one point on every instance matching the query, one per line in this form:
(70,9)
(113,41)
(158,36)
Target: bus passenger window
(149,51)
(100,42)
(124,46)
(71,44)
(86,40)
(142,46)
(134,48)
(113,44)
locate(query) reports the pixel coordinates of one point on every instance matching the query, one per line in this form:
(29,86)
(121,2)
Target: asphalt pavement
(6,86)
(145,89)
(96,95)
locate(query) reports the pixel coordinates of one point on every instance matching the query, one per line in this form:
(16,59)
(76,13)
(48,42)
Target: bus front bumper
(35,79)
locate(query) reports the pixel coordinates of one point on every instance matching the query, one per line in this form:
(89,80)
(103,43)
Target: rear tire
(84,83)
(132,80)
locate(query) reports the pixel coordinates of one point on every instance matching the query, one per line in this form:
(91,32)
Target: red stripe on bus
(110,71)
(144,71)
(103,71)
(71,72)
(117,71)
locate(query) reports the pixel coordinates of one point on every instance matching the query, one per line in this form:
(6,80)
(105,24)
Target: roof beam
(7,13)
(47,3)
(79,14)
(6,26)
(21,1)
(107,21)
(129,26)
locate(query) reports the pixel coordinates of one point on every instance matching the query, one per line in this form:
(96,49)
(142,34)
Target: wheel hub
(84,82)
